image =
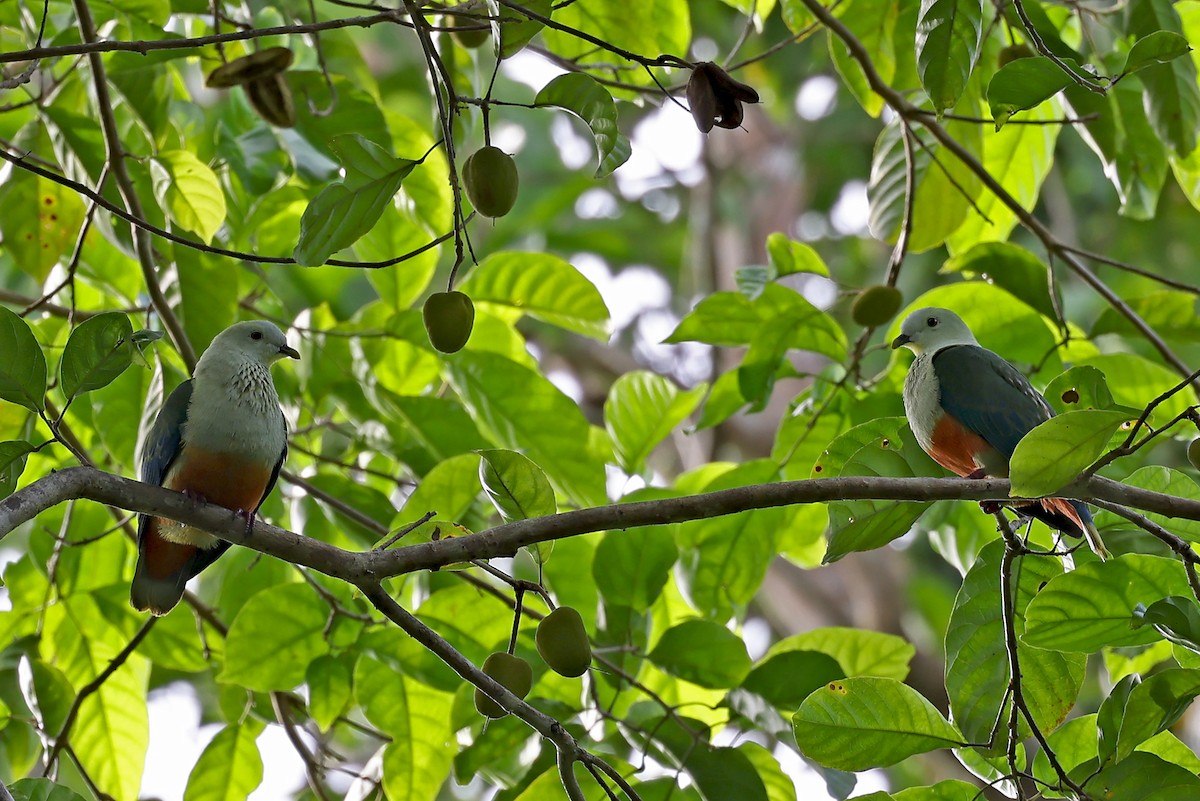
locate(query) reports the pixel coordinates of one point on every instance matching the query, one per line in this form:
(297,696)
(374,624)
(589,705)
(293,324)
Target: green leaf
(189,192)
(41,790)
(54,694)
(663,26)
(1154,705)
(330,682)
(343,212)
(788,257)
(1055,452)
(873,23)
(1091,607)
(1142,777)
(1080,388)
(949,790)
(1172,314)
(1020,158)
(1135,381)
(786,678)
(515,485)
(1171,482)
(948,34)
(23,368)
(579,93)
(721,774)
(512,30)
(542,285)
(1176,617)
(977,670)
(1172,97)
(641,410)
(12,464)
(883,447)
(858,651)
(866,722)
(632,566)
(274,637)
(230,768)
(1023,84)
(1010,267)
(1155,48)
(702,652)
(98,350)
(418,760)
(40,224)
(725,559)
(516,407)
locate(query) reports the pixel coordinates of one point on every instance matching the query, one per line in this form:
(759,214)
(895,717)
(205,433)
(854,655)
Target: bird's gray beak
(901,341)
(289,351)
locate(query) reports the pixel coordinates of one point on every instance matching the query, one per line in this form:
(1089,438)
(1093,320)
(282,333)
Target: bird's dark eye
(256,335)
(932,322)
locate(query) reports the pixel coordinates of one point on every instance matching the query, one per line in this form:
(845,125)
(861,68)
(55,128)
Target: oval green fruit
(511,671)
(1193,453)
(470,32)
(875,305)
(562,641)
(490,178)
(449,318)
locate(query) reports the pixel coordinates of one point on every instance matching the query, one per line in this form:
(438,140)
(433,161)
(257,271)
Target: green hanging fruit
(875,305)
(511,671)
(470,32)
(563,643)
(449,318)
(491,180)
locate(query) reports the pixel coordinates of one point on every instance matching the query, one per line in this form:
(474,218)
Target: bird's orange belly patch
(236,484)
(955,447)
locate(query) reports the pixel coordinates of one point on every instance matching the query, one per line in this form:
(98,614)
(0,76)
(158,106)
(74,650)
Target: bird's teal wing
(165,437)
(988,395)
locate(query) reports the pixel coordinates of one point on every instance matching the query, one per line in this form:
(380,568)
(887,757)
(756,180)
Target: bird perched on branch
(220,438)
(968,409)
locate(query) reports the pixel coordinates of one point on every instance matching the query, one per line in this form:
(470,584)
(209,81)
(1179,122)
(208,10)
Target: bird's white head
(255,341)
(931,329)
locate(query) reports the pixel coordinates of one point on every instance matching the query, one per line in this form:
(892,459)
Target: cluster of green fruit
(563,644)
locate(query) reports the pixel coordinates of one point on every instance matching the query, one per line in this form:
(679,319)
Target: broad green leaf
(230,768)
(1171,313)
(23,368)
(512,30)
(663,26)
(330,682)
(1171,482)
(944,190)
(1154,705)
(866,722)
(343,212)
(418,760)
(873,23)
(515,485)
(1009,267)
(1176,617)
(1056,451)
(54,694)
(542,285)
(948,34)
(948,790)
(1135,381)
(12,464)
(1172,97)
(448,489)
(1155,48)
(724,559)
(1023,84)
(98,350)
(786,678)
(1091,607)
(579,93)
(40,224)
(1080,388)
(642,409)
(779,785)
(274,637)
(702,652)
(725,773)
(977,669)
(189,192)
(42,790)
(1020,158)
(858,651)
(632,566)
(1141,777)
(208,292)
(883,447)
(516,407)
(787,256)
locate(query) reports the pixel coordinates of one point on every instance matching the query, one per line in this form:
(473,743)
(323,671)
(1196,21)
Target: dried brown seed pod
(254,67)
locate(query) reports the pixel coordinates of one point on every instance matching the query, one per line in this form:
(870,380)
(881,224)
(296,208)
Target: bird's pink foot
(248,515)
